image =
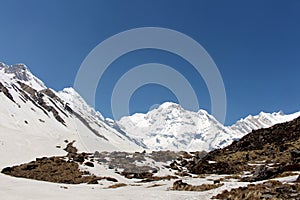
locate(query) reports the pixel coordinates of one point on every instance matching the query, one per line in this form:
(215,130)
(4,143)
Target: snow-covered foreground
(20,189)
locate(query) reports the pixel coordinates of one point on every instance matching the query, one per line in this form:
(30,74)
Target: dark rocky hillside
(266,153)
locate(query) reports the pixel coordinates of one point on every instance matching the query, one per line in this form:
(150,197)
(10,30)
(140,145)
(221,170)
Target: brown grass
(267,190)
(179,185)
(155,185)
(285,174)
(234,176)
(117,185)
(158,178)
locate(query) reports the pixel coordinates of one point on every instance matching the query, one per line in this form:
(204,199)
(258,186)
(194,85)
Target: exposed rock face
(51,94)
(6,92)
(19,70)
(37,99)
(263,172)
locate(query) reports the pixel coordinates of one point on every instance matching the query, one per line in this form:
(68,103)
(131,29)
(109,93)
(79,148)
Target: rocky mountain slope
(276,148)
(35,118)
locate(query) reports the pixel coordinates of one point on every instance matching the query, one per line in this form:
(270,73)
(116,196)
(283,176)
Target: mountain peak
(20,66)
(174,106)
(169,104)
(3,65)
(14,67)
(172,127)
(71,91)
(21,72)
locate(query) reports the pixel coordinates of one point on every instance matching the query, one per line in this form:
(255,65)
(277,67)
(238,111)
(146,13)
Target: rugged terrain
(264,164)
(277,146)
(159,154)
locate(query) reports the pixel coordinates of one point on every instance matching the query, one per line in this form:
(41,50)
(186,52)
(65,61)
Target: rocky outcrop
(263,172)
(37,99)
(57,169)
(51,94)
(138,165)
(5,91)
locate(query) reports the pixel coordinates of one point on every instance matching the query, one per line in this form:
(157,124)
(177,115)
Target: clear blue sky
(255,44)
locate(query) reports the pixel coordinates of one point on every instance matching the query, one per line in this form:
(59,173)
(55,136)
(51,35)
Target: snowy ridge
(171,127)
(262,120)
(78,103)
(94,118)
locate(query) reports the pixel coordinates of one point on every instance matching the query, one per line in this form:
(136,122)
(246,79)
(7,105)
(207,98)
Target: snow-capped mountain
(21,73)
(46,118)
(171,127)
(35,119)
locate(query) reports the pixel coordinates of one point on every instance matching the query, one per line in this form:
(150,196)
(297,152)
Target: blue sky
(255,44)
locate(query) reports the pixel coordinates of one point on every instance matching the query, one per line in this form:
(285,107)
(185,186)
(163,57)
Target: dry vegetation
(181,186)
(53,169)
(277,149)
(158,178)
(155,185)
(268,190)
(117,185)
(63,169)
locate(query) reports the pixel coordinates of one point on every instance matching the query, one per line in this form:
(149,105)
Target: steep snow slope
(96,122)
(34,120)
(171,127)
